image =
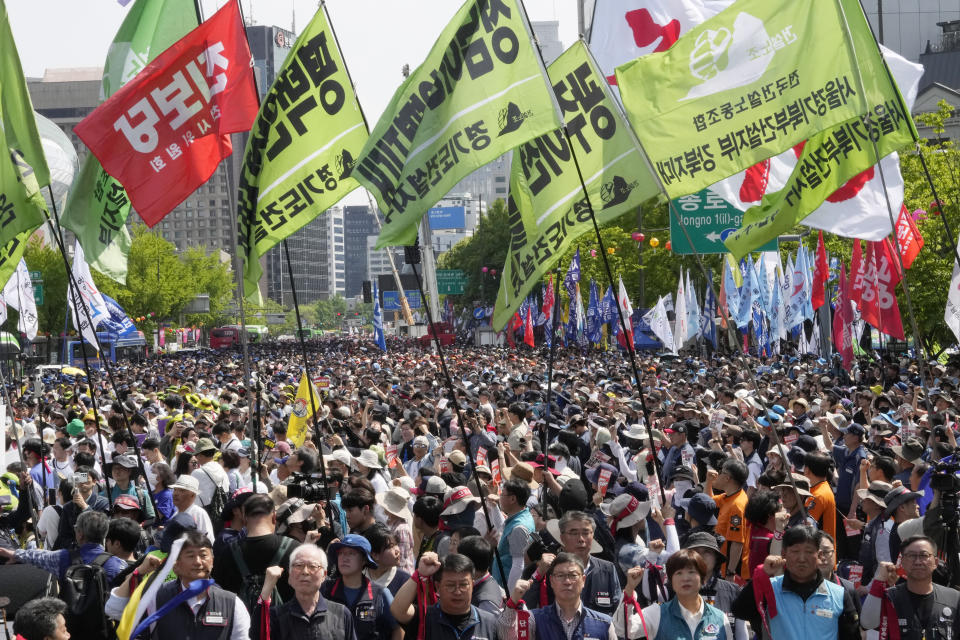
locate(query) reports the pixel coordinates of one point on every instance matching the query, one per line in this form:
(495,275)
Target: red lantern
(484,269)
(493,272)
(669,245)
(637,236)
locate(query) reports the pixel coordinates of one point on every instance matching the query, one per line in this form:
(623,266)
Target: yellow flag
(298,427)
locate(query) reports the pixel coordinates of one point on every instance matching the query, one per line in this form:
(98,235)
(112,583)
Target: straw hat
(396,502)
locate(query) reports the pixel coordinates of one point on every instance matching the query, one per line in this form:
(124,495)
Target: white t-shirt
(216,475)
(204,524)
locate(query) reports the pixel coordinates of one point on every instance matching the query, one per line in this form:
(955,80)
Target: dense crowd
(721,498)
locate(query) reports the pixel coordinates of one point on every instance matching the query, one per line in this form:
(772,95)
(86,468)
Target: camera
(538,546)
(307,488)
(945,478)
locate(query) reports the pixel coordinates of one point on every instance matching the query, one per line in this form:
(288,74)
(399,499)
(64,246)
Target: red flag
(857,274)
(548,303)
(528,329)
(163,133)
(515,323)
(908,237)
(820,274)
(843,321)
(877,282)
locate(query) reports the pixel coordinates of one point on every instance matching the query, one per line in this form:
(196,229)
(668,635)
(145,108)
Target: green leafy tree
(327,310)
(486,248)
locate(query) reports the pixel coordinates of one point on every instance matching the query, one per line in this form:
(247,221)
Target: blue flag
(378,336)
(708,326)
(745,304)
(594,323)
(573,275)
(118,322)
(608,308)
(732,293)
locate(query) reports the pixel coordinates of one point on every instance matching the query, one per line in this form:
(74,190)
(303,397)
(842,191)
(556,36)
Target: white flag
(18,293)
(680,329)
(85,294)
(624,30)
(660,324)
(951,315)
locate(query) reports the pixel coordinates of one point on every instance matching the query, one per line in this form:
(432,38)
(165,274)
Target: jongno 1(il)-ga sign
(708,219)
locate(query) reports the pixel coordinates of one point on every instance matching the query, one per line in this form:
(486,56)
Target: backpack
(85,589)
(251,584)
(217,504)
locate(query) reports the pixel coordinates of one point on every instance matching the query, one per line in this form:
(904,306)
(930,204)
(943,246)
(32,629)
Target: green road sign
(709,219)
(36,276)
(38,293)
(451,281)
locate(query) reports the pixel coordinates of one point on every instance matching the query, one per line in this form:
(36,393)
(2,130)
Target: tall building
(359,224)
(316,257)
(908,26)
(548,35)
(378,263)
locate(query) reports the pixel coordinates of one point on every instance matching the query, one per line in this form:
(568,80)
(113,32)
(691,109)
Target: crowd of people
(720,498)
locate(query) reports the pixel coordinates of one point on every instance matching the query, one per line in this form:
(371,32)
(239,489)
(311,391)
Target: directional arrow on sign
(713,236)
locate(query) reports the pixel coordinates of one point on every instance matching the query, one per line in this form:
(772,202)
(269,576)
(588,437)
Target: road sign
(323,382)
(709,219)
(451,281)
(38,293)
(36,276)
(391,300)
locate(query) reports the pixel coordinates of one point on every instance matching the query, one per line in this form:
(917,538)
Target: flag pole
(415,251)
(551,327)
(731,331)
(77,305)
(306,372)
(404,303)
(920,349)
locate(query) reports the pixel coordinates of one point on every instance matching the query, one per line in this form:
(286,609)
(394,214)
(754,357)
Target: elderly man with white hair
(308,614)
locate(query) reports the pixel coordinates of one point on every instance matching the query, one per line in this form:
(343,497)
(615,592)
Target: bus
(132,346)
(306,334)
(229,336)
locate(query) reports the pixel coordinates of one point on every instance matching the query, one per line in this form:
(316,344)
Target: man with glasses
(603,589)
(795,601)
(308,614)
(827,561)
(919,608)
(566,618)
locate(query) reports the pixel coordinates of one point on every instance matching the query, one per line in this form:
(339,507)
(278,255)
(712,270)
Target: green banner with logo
(23,167)
(837,154)
(97,207)
(480,92)
(749,83)
(547,207)
(300,153)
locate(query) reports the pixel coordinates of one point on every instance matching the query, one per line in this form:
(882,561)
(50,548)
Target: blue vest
(594,625)
(523,519)
(817,617)
(673,626)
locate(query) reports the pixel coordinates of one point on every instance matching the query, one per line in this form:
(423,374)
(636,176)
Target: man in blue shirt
(91,529)
(847,456)
(680,451)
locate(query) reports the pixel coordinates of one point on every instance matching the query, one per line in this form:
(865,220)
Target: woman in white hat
(368,464)
(395,504)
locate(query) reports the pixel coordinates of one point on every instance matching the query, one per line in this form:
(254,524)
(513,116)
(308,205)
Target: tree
(330,313)
(51,315)
(214,279)
(487,247)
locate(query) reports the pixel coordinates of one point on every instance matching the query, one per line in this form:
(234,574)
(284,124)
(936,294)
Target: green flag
(837,154)
(23,167)
(300,152)
(747,84)
(97,207)
(480,92)
(547,208)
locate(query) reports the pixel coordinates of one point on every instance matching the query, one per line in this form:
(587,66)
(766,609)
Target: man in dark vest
(566,618)
(918,608)
(603,589)
(367,601)
(209,613)
(444,591)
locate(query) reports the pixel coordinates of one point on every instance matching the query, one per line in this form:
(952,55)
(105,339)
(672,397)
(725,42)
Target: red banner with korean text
(876,283)
(908,237)
(174,116)
(843,321)
(858,269)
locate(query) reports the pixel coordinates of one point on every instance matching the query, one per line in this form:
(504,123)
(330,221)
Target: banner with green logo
(837,154)
(23,167)
(547,207)
(747,84)
(97,207)
(301,148)
(481,91)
